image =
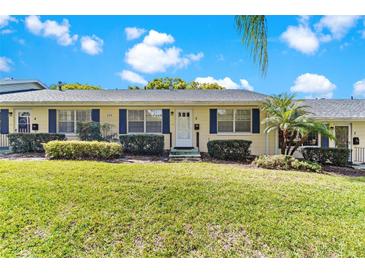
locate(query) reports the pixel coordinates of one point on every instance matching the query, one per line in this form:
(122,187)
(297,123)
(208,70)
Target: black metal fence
(4,141)
(359,155)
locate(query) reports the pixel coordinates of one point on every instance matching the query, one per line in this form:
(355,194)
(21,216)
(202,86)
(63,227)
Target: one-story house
(186,118)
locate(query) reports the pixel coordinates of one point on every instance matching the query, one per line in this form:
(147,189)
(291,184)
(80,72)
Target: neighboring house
(11,86)
(186,118)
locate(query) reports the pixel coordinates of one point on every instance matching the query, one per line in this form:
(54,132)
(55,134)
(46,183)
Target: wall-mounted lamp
(10,114)
(172,113)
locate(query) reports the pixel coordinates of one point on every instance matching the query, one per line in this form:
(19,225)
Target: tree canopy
(177,83)
(74,86)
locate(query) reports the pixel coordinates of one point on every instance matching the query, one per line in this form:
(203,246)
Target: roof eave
(131,103)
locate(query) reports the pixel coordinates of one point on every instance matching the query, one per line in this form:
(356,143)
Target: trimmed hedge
(229,150)
(142,144)
(82,150)
(334,156)
(284,162)
(31,142)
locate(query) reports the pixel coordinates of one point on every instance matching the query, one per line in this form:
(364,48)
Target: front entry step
(184,154)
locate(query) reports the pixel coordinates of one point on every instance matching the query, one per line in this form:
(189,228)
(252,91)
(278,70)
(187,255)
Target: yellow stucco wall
(261,143)
(200,115)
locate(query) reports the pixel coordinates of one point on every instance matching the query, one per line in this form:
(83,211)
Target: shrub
(89,131)
(82,150)
(31,142)
(229,150)
(142,144)
(334,156)
(284,162)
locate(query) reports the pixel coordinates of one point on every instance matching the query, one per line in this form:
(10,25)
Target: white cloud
(150,57)
(306,40)
(245,84)
(133,33)
(132,77)
(195,57)
(314,85)
(5,64)
(6,31)
(226,82)
(155,38)
(34,24)
(92,45)
(6,19)
(338,26)
(301,38)
(359,88)
(50,28)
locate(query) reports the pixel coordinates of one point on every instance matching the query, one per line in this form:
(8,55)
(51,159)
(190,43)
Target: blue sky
(317,56)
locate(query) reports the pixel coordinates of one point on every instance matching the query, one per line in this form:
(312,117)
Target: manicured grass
(93,209)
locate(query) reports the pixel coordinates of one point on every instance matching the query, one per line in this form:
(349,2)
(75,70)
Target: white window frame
(234,122)
(75,120)
(144,122)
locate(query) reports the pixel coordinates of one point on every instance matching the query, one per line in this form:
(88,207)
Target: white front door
(23,121)
(184,134)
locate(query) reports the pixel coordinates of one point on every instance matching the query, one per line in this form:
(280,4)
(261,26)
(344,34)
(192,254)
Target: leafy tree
(75,86)
(253,31)
(178,83)
(164,83)
(134,87)
(196,85)
(293,120)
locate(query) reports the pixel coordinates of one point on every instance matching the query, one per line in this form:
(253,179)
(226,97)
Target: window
(136,121)
(234,120)
(153,121)
(243,120)
(145,121)
(312,140)
(225,120)
(68,119)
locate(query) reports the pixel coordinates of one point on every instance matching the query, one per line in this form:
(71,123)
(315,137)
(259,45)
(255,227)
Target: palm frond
(253,31)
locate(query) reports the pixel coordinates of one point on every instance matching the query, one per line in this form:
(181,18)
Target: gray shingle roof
(10,85)
(132,96)
(337,108)
(321,108)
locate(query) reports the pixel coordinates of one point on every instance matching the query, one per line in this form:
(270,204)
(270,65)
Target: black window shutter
(122,121)
(95,115)
(255,120)
(52,121)
(165,121)
(4,121)
(213,121)
(324,141)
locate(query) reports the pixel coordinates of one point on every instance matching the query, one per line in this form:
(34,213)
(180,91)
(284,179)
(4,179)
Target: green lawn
(93,209)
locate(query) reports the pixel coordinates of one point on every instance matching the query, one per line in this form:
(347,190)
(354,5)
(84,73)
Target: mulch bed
(22,156)
(344,171)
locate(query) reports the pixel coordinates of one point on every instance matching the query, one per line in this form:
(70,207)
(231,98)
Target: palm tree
(293,121)
(253,31)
